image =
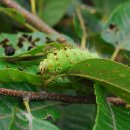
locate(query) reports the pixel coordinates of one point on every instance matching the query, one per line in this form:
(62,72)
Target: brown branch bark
(47,96)
(116,101)
(89,99)
(32,19)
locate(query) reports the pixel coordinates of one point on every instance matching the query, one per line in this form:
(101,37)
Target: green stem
(30,27)
(116,52)
(33,6)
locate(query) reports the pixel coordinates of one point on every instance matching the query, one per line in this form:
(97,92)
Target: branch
(22,58)
(89,99)
(32,19)
(82,24)
(47,96)
(33,6)
(116,101)
(116,52)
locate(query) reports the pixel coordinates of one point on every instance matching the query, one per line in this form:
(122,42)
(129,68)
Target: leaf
(110,117)
(92,20)
(39,109)
(107,6)
(116,30)
(112,75)
(31,67)
(5,23)
(21,43)
(14,14)
(26,44)
(14,75)
(22,120)
(24,71)
(97,44)
(77,117)
(77,27)
(53,10)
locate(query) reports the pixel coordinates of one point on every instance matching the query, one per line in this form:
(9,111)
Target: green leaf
(13,75)
(77,27)
(99,45)
(107,6)
(116,30)
(77,117)
(92,20)
(114,76)
(26,44)
(14,14)
(22,43)
(39,109)
(5,23)
(22,120)
(31,67)
(110,117)
(52,11)
(24,71)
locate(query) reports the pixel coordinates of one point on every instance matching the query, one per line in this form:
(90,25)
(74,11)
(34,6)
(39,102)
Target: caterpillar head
(43,66)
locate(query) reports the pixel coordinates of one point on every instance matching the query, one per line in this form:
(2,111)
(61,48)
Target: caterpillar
(59,61)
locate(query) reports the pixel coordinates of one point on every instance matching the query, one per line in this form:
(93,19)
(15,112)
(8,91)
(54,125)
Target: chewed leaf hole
(112,26)
(9,50)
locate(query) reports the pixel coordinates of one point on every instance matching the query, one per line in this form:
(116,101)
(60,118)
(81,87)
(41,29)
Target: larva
(60,60)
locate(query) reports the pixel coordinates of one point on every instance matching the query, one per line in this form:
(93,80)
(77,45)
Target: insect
(59,61)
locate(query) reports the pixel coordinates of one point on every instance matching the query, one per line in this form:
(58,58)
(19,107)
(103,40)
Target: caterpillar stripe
(60,60)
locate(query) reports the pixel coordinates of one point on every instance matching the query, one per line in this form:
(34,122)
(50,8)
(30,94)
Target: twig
(116,52)
(116,101)
(82,24)
(47,96)
(22,58)
(33,6)
(26,104)
(32,19)
(91,9)
(119,47)
(31,28)
(89,99)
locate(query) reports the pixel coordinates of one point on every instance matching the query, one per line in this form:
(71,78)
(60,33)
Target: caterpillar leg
(26,104)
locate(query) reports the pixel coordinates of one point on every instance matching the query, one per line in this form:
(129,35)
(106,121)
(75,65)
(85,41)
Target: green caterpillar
(60,60)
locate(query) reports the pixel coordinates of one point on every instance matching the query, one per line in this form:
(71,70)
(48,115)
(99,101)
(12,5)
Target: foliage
(52,11)
(112,115)
(23,47)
